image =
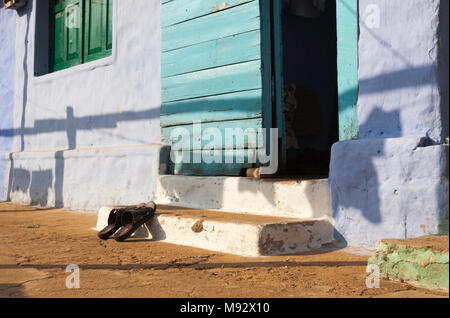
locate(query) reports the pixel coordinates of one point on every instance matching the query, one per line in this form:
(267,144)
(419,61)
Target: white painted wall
(89,135)
(7,42)
(111,91)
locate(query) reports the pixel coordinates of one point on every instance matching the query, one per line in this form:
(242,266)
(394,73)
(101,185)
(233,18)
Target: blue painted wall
(394,181)
(399,91)
(7,62)
(97,117)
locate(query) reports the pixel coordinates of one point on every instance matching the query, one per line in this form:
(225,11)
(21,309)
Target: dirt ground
(38,244)
(439,243)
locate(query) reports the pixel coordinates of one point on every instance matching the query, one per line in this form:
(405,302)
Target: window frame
(83,40)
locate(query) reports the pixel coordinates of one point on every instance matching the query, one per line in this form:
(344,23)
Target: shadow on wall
(355,183)
(42,181)
(70,125)
(35,185)
(27,10)
(19,179)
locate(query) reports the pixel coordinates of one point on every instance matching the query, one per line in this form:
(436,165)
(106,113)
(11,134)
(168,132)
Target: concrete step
(271,197)
(240,234)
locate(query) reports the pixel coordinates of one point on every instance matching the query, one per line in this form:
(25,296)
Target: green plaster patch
(423,266)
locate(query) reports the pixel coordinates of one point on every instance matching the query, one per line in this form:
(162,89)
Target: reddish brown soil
(38,244)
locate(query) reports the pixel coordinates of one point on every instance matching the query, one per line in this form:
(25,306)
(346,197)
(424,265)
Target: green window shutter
(109,26)
(68,28)
(98,33)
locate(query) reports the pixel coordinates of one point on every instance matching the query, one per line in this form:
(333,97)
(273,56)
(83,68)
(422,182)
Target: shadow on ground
(194,265)
(11,290)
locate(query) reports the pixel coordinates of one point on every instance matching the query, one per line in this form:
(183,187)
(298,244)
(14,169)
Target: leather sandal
(132,218)
(114,223)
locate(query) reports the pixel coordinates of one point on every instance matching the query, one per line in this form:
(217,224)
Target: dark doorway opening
(310,99)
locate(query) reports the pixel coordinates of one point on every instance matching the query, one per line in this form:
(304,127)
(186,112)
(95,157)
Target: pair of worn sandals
(123,222)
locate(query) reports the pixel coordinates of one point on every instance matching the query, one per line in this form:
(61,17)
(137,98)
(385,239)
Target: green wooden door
(216,69)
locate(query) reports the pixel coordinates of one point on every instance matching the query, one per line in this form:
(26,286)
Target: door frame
(347,25)
(347,32)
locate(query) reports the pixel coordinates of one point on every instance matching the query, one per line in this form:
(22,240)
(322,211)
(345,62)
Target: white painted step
(239,234)
(271,197)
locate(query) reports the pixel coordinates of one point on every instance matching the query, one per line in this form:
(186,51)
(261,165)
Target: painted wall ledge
(82,179)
